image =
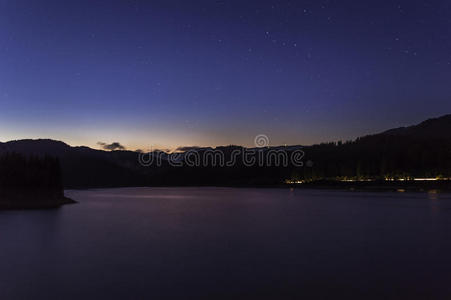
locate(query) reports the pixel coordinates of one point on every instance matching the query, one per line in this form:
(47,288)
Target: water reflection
(229,243)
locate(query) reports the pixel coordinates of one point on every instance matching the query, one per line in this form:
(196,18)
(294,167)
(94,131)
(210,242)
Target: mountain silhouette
(422,150)
(439,128)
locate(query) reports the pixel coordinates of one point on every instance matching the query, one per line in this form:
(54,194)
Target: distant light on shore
(370,179)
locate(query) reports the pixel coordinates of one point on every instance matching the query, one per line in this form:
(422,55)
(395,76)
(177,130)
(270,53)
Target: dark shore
(30,203)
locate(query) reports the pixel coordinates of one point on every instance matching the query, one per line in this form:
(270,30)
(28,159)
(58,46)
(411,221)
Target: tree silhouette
(30,181)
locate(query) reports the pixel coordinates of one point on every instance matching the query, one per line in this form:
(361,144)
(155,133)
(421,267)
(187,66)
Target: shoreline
(438,186)
(35,205)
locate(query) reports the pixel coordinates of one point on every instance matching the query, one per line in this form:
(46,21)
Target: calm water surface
(229,243)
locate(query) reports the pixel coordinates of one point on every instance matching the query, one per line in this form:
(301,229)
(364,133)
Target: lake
(229,243)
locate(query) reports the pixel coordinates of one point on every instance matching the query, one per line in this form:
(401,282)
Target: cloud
(188,148)
(162,150)
(112,146)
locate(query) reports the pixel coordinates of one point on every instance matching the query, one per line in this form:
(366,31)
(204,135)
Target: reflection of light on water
(401,190)
(155,196)
(433,194)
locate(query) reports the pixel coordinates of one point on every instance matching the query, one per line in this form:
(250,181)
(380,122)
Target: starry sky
(164,74)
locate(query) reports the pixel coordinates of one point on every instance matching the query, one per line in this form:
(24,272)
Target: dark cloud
(162,150)
(187,148)
(112,146)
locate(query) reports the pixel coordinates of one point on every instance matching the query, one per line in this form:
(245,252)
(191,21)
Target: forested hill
(30,182)
(438,128)
(423,150)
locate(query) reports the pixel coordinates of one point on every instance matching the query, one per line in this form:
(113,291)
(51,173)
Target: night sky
(164,74)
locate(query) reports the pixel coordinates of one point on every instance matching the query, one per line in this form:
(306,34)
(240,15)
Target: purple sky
(175,73)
